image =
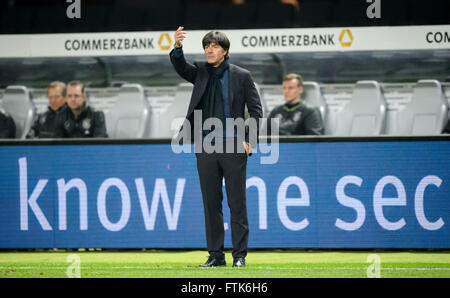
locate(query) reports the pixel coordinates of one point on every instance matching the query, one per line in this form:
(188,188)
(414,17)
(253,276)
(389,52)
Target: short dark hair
(219,38)
(76,83)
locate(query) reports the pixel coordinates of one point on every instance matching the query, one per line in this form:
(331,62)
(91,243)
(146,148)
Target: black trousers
(212,168)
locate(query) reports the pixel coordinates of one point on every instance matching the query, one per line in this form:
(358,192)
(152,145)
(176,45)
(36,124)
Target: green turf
(260,264)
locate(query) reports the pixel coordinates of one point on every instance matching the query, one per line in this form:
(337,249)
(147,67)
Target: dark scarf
(212,101)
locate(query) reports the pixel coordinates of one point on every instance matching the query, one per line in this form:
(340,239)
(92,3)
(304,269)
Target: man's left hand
(248,148)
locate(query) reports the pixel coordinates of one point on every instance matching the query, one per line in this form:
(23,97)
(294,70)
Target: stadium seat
(314,97)
(365,114)
(18,103)
(265,107)
(172,118)
(426,113)
(130,115)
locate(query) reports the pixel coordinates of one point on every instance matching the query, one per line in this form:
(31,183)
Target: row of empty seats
(131,115)
(426,114)
(366,112)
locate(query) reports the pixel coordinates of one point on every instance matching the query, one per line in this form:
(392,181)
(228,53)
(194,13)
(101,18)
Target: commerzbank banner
(346,194)
(242,41)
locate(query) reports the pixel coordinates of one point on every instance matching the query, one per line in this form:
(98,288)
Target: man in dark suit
(221,91)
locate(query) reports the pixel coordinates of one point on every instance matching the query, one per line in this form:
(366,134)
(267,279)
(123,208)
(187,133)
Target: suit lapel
(199,88)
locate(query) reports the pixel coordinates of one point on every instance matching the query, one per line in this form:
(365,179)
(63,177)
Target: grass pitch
(260,264)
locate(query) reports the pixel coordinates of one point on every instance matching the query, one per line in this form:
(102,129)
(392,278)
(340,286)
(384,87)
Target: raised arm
(186,70)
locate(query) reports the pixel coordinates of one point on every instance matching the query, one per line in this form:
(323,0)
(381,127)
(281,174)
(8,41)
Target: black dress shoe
(214,262)
(239,262)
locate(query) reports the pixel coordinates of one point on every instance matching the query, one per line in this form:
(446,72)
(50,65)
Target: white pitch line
(227,268)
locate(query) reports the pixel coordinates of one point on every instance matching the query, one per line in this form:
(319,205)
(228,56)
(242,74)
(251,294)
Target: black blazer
(242,90)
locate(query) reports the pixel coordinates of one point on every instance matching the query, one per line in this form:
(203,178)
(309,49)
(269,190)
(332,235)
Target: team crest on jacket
(86,124)
(297,116)
(68,125)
